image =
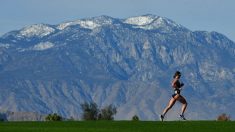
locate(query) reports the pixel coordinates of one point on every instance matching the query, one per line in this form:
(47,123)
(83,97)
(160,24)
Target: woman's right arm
(173,84)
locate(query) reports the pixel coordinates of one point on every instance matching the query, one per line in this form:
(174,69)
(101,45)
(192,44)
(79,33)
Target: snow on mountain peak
(149,22)
(146,22)
(140,20)
(37,30)
(83,23)
(88,23)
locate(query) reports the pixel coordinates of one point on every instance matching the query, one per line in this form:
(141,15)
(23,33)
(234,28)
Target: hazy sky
(208,15)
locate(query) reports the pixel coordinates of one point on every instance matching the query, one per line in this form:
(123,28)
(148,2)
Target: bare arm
(173,84)
(176,84)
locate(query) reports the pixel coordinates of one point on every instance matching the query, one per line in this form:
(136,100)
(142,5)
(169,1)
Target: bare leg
(184,104)
(170,104)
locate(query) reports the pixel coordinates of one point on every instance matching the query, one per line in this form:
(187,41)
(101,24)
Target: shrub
(90,111)
(223,117)
(53,117)
(135,118)
(107,113)
(3,117)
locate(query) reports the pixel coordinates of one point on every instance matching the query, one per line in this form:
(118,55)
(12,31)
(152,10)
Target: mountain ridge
(116,63)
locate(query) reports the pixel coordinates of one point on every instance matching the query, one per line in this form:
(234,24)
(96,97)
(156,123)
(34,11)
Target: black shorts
(176,91)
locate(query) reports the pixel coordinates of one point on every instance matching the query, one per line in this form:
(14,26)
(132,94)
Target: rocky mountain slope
(126,62)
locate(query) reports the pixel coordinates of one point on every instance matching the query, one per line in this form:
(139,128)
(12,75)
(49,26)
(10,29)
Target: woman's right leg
(170,104)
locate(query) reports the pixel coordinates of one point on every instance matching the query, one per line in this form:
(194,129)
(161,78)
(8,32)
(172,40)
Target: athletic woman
(177,86)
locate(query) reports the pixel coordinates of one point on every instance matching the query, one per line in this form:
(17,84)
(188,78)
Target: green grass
(118,126)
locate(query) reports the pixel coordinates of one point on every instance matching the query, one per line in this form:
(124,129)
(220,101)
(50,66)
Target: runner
(177,86)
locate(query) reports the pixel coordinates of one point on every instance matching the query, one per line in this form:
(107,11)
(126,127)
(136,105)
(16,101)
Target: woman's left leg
(184,104)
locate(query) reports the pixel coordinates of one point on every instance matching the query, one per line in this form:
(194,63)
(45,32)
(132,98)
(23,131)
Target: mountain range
(125,62)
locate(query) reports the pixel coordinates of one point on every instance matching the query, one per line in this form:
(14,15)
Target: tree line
(90,112)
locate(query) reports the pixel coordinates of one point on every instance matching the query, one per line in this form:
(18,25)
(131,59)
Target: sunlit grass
(118,126)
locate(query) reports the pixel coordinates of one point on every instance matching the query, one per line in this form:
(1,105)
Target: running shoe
(161,117)
(182,117)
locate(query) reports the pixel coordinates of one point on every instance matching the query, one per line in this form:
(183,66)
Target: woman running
(176,97)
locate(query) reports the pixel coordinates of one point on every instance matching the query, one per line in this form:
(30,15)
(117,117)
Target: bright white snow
(149,22)
(140,20)
(90,23)
(37,30)
(43,46)
(83,23)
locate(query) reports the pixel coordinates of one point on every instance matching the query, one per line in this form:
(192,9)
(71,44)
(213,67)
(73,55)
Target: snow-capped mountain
(150,22)
(126,62)
(39,30)
(88,23)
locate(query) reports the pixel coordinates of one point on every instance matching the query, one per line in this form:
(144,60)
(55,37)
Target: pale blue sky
(208,15)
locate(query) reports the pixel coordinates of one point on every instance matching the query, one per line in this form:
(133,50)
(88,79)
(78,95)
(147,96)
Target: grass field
(118,126)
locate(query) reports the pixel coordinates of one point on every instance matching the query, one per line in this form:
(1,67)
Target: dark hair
(177,73)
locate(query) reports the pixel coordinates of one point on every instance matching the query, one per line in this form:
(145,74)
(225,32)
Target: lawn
(118,126)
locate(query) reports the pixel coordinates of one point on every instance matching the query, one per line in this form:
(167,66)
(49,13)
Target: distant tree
(135,118)
(223,117)
(53,117)
(90,111)
(107,113)
(3,117)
